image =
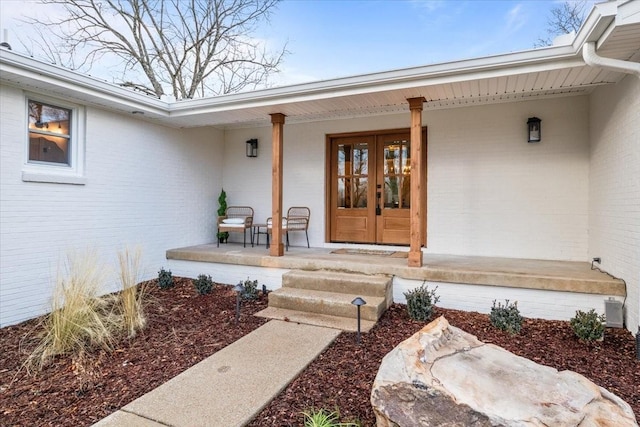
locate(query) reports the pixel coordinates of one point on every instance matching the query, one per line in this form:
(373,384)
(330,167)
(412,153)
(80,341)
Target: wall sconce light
(535,129)
(252,148)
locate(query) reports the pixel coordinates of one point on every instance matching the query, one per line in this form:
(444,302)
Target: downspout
(593,59)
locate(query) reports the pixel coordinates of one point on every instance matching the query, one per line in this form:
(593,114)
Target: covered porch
(544,289)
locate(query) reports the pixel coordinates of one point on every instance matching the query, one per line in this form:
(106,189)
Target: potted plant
(222,209)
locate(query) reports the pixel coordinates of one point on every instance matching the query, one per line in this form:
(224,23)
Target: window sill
(53,178)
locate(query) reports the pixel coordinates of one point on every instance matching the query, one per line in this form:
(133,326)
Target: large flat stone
(445,376)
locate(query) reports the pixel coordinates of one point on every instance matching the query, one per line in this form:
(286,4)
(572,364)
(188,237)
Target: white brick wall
(489,192)
(228,273)
(614,190)
(532,303)
(147,185)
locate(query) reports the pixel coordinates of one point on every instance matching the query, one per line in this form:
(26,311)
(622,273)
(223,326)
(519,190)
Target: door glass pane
(405,193)
(342,200)
(360,159)
(391,191)
(352,178)
(344,157)
(397,173)
(391,158)
(360,187)
(406,157)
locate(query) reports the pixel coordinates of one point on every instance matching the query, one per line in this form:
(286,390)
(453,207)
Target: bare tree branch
(189,48)
(564,19)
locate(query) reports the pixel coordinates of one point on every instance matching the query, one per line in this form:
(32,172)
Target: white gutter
(593,59)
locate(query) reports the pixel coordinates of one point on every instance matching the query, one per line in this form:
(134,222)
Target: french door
(369,180)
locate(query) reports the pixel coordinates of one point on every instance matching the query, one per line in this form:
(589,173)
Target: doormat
(391,254)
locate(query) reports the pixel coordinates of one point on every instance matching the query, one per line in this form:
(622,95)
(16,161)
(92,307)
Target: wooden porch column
(277,121)
(417,183)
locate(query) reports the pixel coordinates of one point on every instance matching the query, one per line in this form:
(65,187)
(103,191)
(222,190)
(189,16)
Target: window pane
(47,118)
(48,148)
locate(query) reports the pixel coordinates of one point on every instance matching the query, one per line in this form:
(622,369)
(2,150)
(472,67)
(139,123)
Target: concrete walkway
(233,385)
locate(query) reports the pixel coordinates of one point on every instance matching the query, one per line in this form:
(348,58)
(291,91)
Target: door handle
(378,209)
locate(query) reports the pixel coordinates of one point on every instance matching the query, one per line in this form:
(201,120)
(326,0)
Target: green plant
(588,326)
(165,279)
(323,418)
(421,302)
(222,210)
(203,284)
(249,290)
(80,319)
(132,296)
(506,317)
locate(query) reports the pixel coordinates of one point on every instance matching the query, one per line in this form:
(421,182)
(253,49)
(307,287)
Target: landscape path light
(239,289)
(358,302)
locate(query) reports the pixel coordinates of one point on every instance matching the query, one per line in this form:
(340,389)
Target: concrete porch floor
(565,276)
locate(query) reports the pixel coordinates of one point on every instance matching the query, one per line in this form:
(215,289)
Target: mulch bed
(341,378)
(184,328)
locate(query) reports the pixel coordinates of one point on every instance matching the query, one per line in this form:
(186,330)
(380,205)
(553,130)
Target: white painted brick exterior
(614,190)
(228,273)
(147,185)
(532,303)
(573,196)
(490,193)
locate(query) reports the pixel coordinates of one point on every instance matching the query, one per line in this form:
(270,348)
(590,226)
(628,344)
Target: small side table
(259,229)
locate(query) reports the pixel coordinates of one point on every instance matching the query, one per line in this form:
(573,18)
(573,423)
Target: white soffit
(439,93)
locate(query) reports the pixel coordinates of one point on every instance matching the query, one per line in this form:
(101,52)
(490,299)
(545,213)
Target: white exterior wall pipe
(593,59)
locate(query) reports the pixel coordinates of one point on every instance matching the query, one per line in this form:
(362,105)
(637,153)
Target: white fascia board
(601,16)
(543,59)
(17,67)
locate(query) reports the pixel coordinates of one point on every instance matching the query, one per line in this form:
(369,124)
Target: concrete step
(328,303)
(332,281)
(316,319)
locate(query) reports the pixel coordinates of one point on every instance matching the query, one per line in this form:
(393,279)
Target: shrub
(421,302)
(249,290)
(203,284)
(165,279)
(323,418)
(132,296)
(222,210)
(588,326)
(80,319)
(506,317)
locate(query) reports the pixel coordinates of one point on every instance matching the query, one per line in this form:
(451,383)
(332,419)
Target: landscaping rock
(445,376)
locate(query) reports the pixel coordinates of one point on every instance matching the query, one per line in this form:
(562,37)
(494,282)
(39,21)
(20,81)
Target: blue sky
(336,38)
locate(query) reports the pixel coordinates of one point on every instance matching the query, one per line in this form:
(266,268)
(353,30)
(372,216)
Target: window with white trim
(55,142)
(49,133)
